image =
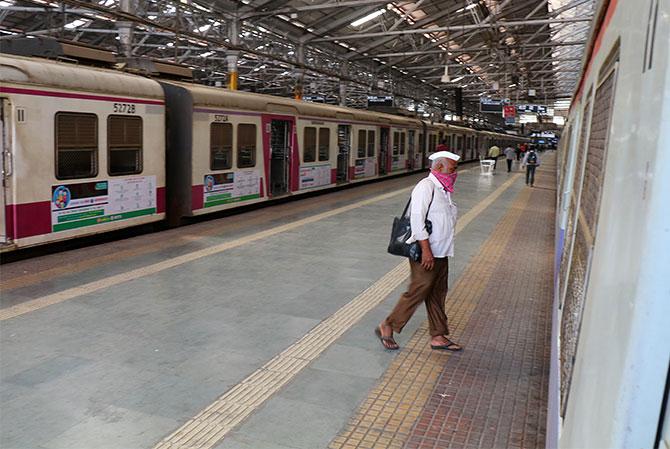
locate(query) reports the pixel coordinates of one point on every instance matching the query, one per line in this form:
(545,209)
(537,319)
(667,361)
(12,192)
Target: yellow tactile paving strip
(211,425)
(386,417)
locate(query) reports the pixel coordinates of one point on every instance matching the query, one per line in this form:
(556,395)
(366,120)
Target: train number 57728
(124,108)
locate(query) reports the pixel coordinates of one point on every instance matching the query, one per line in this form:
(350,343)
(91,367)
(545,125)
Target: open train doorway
(383,150)
(280,150)
(343,152)
(5,155)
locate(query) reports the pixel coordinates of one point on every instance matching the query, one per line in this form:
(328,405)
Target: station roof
(498,48)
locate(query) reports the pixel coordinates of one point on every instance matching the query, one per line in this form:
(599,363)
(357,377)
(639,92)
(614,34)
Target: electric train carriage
(89,150)
(83,151)
(610,378)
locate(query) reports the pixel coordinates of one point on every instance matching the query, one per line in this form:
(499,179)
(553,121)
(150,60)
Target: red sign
(509,111)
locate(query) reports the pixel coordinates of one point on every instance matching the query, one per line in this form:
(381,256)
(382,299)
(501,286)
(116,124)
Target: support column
(233,55)
(126,28)
(343,84)
(299,73)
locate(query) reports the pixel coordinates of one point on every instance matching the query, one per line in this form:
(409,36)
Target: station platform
(255,331)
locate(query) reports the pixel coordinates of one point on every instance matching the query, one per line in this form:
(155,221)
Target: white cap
(447,154)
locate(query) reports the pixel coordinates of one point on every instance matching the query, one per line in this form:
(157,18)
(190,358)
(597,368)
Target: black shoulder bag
(402,231)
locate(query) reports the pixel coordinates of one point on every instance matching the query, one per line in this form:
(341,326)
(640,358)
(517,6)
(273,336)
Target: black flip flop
(382,339)
(451,346)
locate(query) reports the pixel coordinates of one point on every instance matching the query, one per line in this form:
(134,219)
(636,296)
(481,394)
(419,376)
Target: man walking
(431,202)
(510,153)
(531,160)
(494,152)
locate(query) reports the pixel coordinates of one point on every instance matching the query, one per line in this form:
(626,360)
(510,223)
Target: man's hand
(427,260)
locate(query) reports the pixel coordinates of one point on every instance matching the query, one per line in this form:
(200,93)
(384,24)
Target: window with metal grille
(402,143)
(309,144)
(371,143)
(220,146)
(396,143)
(246,145)
(362,142)
(324,144)
(124,145)
(76,145)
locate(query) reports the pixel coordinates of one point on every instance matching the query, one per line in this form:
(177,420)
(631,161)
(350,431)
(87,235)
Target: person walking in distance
(510,153)
(494,152)
(431,201)
(531,160)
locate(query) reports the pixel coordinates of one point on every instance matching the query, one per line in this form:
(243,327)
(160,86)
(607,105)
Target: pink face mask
(447,180)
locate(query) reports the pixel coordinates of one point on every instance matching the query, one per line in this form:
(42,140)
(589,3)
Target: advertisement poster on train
(224,188)
(91,203)
(314,176)
(364,168)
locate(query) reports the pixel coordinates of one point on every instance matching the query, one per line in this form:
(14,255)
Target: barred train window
(362,141)
(220,146)
(396,145)
(324,144)
(246,145)
(371,143)
(76,145)
(309,144)
(402,143)
(124,137)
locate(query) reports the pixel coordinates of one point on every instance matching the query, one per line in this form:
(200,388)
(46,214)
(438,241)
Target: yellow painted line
(211,425)
(55,298)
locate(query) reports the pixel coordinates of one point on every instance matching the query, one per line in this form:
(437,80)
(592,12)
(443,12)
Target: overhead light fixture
(512,85)
(455,80)
(467,8)
(368,18)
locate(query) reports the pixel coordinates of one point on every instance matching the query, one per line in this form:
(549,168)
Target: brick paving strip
(493,394)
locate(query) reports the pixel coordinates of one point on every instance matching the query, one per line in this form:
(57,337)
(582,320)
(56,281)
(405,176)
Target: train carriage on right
(611,341)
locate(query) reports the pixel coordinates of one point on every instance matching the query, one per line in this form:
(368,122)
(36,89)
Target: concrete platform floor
(255,331)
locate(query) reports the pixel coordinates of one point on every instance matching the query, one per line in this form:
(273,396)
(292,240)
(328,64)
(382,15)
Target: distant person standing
(531,160)
(517,151)
(510,153)
(494,152)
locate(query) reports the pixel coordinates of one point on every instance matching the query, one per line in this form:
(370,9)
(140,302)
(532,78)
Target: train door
(280,150)
(383,150)
(410,149)
(343,152)
(5,155)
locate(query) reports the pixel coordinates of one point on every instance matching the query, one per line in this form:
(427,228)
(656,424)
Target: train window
(362,141)
(246,145)
(421,141)
(396,144)
(371,143)
(76,145)
(324,144)
(402,143)
(124,145)
(309,144)
(220,146)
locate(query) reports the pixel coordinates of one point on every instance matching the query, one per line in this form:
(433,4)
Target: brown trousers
(425,286)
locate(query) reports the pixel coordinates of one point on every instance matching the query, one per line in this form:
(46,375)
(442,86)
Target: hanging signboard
(490,105)
(531,109)
(380,100)
(509,111)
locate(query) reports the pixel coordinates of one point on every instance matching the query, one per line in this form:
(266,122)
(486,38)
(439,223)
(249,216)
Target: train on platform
(88,150)
(610,363)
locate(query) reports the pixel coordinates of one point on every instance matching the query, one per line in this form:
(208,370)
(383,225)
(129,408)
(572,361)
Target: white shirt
(442,214)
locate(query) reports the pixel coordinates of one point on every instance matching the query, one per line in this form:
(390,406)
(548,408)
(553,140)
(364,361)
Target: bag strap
(404,212)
